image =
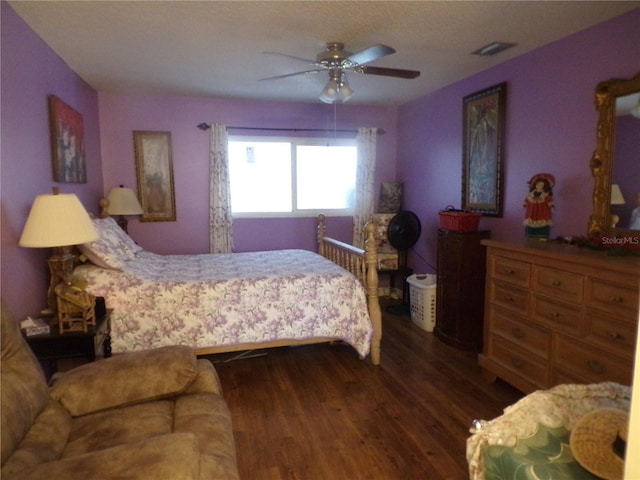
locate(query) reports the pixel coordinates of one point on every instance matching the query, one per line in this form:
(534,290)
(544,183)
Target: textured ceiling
(216,47)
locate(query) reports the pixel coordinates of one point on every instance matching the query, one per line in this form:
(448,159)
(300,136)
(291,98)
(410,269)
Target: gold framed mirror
(614,100)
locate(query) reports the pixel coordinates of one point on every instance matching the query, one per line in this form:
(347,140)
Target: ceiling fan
(337,61)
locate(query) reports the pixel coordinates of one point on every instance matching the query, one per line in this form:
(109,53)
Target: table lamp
(123,201)
(58,221)
(616,199)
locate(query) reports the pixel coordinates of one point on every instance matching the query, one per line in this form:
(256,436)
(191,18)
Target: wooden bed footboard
(364,265)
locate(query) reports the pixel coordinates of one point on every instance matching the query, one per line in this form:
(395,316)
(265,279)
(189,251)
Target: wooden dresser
(559,314)
(460,288)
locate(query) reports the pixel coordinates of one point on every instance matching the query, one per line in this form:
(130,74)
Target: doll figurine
(538,205)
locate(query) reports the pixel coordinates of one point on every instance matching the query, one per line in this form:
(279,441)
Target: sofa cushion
(43,443)
(172,456)
(126,379)
(23,388)
(208,418)
(117,426)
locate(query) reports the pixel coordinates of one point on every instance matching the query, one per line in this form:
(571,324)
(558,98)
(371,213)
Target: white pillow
(113,248)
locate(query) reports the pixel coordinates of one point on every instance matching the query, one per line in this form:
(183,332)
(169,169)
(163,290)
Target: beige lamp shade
(57,220)
(616,195)
(123,201)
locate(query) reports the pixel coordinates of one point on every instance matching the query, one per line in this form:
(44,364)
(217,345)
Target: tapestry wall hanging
(483,150)
(154,172)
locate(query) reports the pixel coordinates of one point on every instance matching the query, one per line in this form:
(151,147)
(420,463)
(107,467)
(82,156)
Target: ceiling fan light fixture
(345,90)
(330,93)
(337,89)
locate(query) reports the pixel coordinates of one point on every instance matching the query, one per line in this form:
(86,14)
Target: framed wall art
(154,172)
(67,142)
(483,150)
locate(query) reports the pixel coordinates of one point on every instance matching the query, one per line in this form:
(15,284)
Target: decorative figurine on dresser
(460,288)
(539,205)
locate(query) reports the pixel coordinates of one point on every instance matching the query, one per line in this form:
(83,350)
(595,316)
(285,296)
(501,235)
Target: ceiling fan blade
(306,72)
(370,54)
(388,72)
(306,60)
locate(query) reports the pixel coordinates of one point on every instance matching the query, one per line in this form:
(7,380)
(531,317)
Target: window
(292,177)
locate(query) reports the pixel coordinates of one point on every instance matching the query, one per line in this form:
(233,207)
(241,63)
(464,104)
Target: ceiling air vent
(492,49)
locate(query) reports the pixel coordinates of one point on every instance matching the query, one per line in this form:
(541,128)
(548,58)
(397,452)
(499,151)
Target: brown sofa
(157,414)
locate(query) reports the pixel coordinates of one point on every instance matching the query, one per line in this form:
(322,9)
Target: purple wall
(550,127)
(31,72)
(121,114)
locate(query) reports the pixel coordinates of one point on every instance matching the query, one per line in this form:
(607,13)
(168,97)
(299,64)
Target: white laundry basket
(422,294)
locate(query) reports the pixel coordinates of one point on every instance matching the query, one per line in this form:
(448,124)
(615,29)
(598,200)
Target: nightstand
(55,346)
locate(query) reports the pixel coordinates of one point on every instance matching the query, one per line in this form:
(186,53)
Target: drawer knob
(509,271)
(615,336)
(508,298)
(517,332)
(555,315)
(556,283)
(517,362)
(596,366)
(616,299)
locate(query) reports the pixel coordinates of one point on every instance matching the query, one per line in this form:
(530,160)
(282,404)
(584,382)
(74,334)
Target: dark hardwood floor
(319,412)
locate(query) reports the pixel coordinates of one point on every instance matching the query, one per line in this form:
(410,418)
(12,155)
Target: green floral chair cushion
(545,455)
(531,439)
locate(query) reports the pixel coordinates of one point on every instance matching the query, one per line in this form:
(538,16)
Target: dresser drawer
(615,335)
(528,337)
(590,364)
(506,296)
(509,270)
(559,316)
(518,360)
(566,286)
(612,298)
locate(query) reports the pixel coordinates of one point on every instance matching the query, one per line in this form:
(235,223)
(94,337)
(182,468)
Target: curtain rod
(206,126)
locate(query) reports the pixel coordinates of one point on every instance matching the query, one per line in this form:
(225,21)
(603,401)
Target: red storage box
(458,220)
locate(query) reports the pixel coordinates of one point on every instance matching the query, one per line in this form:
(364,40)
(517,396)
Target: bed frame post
(373,302)
(322,230)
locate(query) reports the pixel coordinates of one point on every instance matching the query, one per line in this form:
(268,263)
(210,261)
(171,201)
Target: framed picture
(483,150)
(154,171)
(67,142)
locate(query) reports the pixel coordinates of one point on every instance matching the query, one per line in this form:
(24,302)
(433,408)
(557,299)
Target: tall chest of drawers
(460,288)
(559,314)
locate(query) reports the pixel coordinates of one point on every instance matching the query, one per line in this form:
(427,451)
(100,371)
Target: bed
(219,303)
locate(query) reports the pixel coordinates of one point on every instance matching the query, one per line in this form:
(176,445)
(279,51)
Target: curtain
(220,219)
(366,169)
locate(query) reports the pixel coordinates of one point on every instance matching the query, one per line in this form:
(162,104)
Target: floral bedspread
(228,299)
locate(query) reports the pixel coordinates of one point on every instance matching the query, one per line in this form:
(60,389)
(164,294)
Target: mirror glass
(625,177)
(615,164)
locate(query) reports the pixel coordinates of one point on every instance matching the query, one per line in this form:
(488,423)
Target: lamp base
(61,265)
(614,220)
(122,222)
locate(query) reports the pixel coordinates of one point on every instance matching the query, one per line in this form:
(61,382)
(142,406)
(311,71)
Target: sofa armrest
(207,380)
(126,379)
(172,456)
